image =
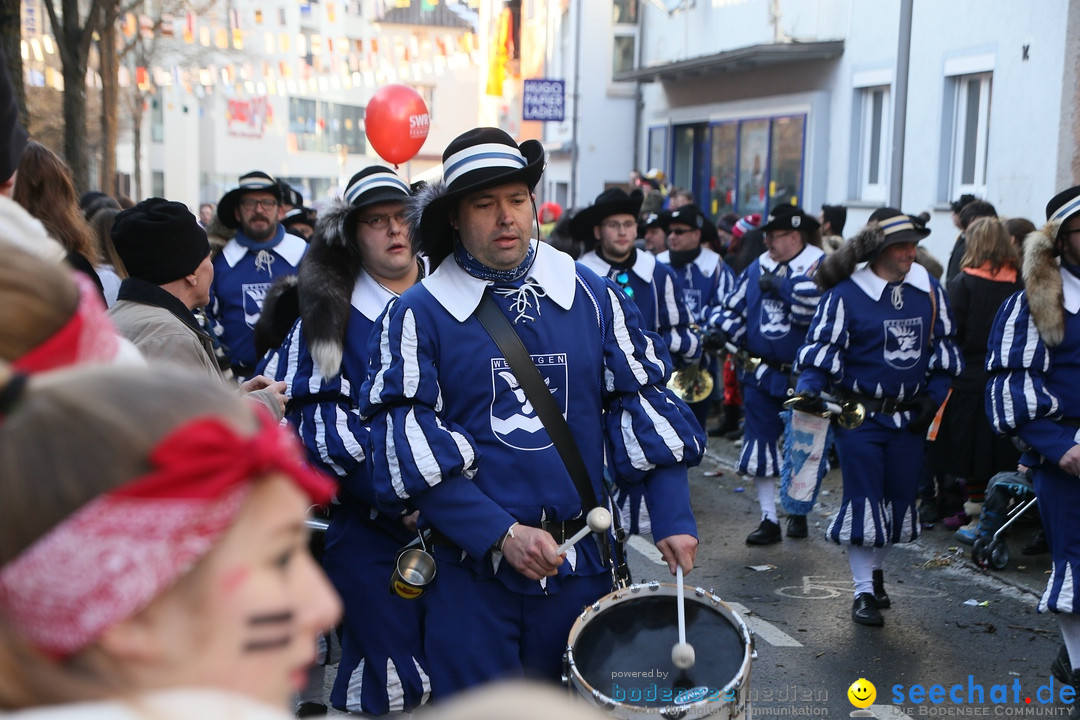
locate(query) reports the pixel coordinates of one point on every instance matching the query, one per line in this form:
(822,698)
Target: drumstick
(682,654)
(598,520)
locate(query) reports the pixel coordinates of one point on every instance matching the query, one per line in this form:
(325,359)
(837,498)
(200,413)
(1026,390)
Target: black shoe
(1036,545)
(1061,668)
(768,533)
(864,611)
(796,526)
(310,709)
(928,514)
(880,596)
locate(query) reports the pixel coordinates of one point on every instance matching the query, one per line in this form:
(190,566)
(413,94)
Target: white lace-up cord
(898,297)
(264,261)
(520,299)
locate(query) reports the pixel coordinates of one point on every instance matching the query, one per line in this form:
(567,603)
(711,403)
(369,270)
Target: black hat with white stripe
(476,160)
(371,186)
(252,182)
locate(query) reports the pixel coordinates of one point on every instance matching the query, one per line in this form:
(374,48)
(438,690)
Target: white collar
(707,260)
(1070,286)
(369,297)
(643,267)
(291,249)
(874,286)
(460,293)
(800,264)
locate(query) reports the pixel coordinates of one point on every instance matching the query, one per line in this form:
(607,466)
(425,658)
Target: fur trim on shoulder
(839,264)
(1042,281)
(928,261)
(422,196)
(327,276)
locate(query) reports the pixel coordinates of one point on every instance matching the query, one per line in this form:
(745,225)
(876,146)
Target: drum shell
(722,697)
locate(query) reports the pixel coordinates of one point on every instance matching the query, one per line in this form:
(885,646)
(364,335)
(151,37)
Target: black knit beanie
(159,241)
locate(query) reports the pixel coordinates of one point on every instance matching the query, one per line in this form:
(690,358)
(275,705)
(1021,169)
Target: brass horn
(849,414)
(852,414)
(693,383)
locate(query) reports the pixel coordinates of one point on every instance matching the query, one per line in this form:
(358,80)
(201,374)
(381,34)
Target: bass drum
(618,655)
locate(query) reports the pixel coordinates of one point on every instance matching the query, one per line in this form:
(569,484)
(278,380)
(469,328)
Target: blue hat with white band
(479,159)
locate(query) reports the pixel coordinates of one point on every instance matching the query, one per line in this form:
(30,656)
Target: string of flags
(287,63)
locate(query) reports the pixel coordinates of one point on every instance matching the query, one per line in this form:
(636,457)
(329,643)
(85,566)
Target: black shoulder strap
(493,320)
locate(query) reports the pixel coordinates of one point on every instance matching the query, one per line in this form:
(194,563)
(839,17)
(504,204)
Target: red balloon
(396,122)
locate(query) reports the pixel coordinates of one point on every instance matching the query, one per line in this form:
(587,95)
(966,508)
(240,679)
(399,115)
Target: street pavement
(972,632)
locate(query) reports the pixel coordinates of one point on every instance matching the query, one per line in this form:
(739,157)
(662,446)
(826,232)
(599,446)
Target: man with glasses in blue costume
(766,316)
(360,260)
(703,275)
(260,252)
(608,229)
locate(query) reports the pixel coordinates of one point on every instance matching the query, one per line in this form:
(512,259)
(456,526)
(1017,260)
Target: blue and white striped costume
(1032,389)
(882,340)
(771,326)
(658,295)
(705,282)
(382,668)
(241,279)
(453,434)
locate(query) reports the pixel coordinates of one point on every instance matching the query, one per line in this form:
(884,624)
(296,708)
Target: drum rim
(696,594)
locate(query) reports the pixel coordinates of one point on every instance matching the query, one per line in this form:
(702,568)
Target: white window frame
(960,134)
(873,148)
(623,31)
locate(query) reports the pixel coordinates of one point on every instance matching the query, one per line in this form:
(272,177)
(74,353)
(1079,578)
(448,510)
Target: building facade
(753,103)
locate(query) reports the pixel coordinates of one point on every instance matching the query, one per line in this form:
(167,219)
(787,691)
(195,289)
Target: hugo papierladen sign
(543,99)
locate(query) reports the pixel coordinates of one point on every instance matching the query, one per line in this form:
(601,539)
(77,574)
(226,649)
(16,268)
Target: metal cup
(413,570)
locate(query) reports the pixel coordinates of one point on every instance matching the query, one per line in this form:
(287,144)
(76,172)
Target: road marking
(763,630)
(646,548)
(767,632)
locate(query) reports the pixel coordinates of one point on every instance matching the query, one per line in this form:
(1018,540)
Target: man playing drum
(453,435)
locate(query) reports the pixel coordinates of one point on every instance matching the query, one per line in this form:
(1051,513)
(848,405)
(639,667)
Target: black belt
(561,531)
(888,406)
(749,363)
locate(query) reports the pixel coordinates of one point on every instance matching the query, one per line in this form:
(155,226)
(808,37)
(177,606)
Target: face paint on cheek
(269,631)
(233,579)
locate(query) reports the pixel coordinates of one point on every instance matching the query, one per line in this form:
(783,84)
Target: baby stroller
(1008,496)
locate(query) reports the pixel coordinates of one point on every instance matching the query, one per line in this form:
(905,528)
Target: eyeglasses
(250,203)
(379,222)
(680,231)
(616,226)
(622,279)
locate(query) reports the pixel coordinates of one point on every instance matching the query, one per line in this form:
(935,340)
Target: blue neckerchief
(478,270)
(270,244)
(1074,269)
